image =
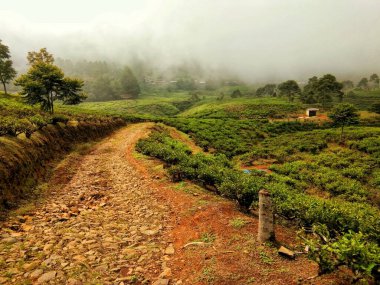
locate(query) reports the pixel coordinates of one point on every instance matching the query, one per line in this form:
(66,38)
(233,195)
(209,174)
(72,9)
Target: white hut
(311,112)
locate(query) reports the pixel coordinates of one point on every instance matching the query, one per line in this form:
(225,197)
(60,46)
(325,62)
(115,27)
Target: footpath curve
(105,226)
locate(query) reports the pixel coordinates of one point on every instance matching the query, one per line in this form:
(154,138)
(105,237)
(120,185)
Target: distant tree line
(104,81)
(101,81)
(317,90)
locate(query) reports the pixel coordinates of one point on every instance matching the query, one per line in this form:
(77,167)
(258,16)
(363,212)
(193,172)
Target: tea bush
(288,193)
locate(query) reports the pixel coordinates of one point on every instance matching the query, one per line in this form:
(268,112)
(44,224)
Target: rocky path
(106,226)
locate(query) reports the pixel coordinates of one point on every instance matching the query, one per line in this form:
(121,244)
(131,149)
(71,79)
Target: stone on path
(283,251)
(161,282)
(169,250)
(46,277)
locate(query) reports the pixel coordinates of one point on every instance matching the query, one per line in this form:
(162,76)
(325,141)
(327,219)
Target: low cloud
(268,40)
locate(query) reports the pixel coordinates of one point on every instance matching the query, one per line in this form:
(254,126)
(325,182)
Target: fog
(258,40)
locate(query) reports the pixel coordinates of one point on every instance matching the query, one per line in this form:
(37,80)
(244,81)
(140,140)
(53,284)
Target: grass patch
(265,258)
(207,237)
(238,223)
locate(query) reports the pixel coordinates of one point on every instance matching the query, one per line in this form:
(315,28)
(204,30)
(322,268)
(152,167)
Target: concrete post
(266,217)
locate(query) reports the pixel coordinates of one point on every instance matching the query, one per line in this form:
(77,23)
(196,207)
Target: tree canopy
(348,84)
(289,89)
(363,83)
(7,72)
(45,82)
(343,115)
(40,56)
(103,81)
(374,80)
(322,89)
(269,89)
(129,84)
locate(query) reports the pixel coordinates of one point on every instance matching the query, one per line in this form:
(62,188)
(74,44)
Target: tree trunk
(51,103)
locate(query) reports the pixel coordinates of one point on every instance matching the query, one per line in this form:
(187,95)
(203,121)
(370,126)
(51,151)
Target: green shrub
(351,249)
(59,119)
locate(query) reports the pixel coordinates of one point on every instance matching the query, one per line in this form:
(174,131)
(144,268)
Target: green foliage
(44,83)
(59,119)
(232,137)
(363,84)
(185,83)
(208,170)
(269,89)
(17,117)
(7,72)
(374,81)
(103,81)
(344,115)
(289,89)
(236,93)
(13,126)
(290,181)
(351,249)
(238,223)
(42,55)
(129,84)
(322,90)
(362,99)
(347,85)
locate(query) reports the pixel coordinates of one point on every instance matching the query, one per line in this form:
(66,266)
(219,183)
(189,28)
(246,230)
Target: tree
(236,93)
(185,83)
(363,83)
(327,86)
(308,95)
(101,89)
(45,82)
(269,89)
(7,72)
(289,89)
(348,84)
(129,84)
(344,115)
(374,80)
(322,89)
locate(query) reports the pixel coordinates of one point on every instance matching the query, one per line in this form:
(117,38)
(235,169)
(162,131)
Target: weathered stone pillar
(266,217)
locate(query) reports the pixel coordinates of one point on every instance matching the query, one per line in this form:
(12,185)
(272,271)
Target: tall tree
(289,89)
(363,83)
(236,93)
(322,89)
(129,84)
(102,90)
(268,89)
(308,95)
(348,84)
(7,72)
(45,82)
(374,80)
(343,115)
(328,86)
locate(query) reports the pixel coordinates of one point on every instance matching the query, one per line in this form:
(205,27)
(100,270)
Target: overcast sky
(258,39)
